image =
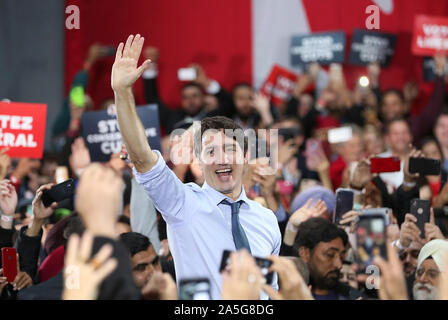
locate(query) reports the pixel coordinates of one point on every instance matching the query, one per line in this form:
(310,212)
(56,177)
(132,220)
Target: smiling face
(426,281)
(222,161)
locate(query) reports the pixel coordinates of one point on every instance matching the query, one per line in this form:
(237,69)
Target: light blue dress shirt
(199,227)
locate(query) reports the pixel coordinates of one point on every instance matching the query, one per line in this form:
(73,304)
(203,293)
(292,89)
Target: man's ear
(305,254)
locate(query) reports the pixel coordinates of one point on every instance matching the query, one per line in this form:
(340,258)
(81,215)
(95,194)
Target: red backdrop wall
(215,34)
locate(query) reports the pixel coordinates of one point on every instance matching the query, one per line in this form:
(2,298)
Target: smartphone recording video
(186,74)
(262,263)
(421,209)
(59,192)
(9,263)
(370,238)
(390,164)
(194,289)
(339,135)
(344,203)
(424,166)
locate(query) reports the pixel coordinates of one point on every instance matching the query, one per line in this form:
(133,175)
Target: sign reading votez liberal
(102,135)
(372,46)
(324,48)
(430,35)
(279,84)
(22,129)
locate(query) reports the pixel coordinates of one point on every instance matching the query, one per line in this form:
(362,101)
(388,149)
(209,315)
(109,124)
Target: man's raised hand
(125,71)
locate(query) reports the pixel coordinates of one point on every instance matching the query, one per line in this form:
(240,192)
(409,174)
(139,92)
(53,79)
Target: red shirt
(52,264)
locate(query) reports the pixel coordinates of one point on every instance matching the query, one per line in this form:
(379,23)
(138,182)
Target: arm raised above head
(125,72)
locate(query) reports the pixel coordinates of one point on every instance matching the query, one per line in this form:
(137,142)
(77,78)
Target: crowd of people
(142,225)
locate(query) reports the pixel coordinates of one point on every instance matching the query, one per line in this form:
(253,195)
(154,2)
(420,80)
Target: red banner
(279,84)
(22,129)
(430,35)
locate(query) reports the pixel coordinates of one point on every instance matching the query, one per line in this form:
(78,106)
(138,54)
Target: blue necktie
(239,236)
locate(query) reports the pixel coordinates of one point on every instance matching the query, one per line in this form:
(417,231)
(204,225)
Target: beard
(324,282)
(409,269)
(421,294)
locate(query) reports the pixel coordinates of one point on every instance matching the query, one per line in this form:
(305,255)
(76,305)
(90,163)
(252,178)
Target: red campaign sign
(279,84)
(430,35)
(22,129)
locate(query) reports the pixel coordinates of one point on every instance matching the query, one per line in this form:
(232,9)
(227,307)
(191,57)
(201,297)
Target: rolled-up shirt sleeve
(165,189)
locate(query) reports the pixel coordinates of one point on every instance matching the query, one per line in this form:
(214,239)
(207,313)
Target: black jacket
(119,285)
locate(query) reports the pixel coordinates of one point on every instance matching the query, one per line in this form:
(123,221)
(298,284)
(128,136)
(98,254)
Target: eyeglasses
(142,266)
(431,273)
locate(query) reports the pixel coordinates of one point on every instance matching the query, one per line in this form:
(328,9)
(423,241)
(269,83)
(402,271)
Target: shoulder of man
(264,212)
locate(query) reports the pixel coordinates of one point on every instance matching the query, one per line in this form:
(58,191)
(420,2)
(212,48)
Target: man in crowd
(398,138)
(195,215)
(322,246)
(144,260)
(431,262)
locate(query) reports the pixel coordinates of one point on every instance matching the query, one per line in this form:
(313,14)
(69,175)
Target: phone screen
(9,263)
(194,289)
(262,263)
(339,135)
(186,74)
(370,238)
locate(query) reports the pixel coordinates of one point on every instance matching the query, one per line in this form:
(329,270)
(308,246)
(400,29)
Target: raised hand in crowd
(286,151)
(8,198)
(361,175)
(432,231)
(98,199)
(40,212)
(292,286)
(5,163)
(201,76)
(160,287)
(349,218)
(80,156)
(24,167)
(410,179)
(96,51)
(373,73)
(82,275)
(392,284)
(318,209)
(317,161)
(440,63)
(307,211)
(243,281)
(409,231)
(263,106)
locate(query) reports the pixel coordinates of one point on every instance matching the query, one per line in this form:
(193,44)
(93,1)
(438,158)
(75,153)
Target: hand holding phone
(9,263)
(421,210)
(390,164)
(186,74)
(262,263)
(371,237)
(424,166)
(344,203)
(59,192)
(194,289)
